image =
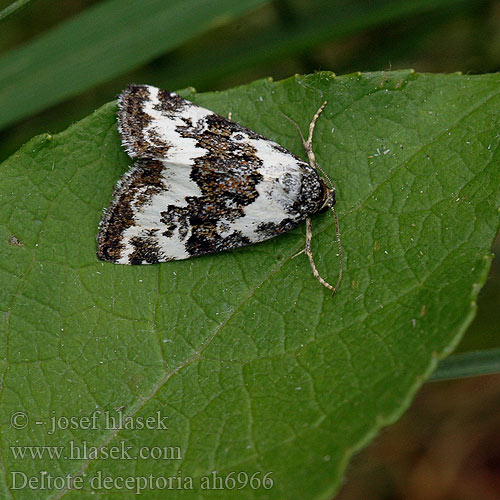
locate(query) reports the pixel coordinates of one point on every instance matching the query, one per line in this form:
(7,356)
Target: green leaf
(256,366)
(102,42)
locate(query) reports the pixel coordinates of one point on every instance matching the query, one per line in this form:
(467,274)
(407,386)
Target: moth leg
(298,253)
(312,161)
(230,115)
(308,143)
(309,253)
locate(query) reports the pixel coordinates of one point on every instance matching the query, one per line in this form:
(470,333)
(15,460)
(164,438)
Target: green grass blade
(13,8)
(468,364)
(104,41)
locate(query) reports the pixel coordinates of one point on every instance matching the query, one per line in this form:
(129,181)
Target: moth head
(328,197)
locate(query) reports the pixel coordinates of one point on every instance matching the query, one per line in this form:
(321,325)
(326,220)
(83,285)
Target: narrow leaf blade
(100,43)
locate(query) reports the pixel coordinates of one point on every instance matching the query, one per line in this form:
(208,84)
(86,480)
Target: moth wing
(150,120)
(203,183)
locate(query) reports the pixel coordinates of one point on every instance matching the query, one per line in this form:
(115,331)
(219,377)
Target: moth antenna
(312,161)
(339,246)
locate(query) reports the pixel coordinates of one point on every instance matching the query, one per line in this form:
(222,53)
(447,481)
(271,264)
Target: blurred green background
(60,60)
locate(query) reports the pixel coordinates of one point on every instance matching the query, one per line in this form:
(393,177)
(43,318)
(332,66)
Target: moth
(202,184)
